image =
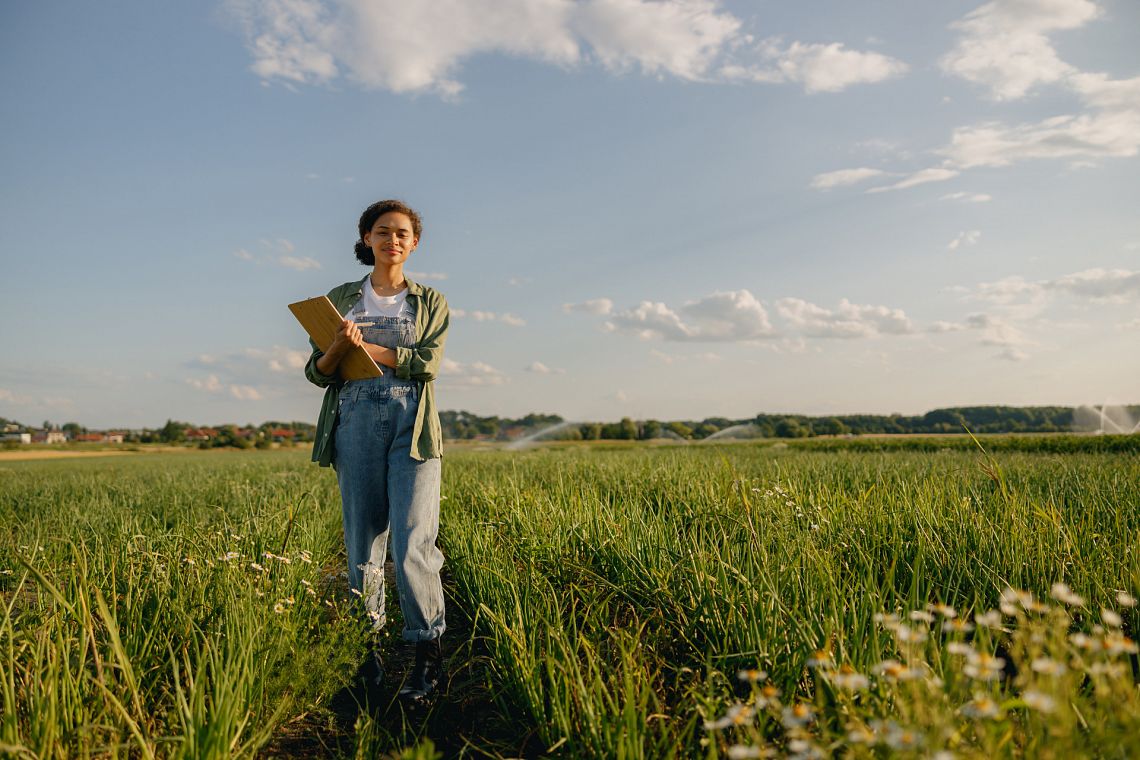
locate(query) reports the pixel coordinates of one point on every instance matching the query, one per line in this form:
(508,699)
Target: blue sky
(653,208)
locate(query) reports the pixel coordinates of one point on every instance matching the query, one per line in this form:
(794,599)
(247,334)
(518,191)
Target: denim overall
(384,490)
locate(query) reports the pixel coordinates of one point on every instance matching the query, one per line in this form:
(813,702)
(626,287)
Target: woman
(383,436)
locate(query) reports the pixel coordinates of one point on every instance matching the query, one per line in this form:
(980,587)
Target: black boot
(427,672)
(371,672)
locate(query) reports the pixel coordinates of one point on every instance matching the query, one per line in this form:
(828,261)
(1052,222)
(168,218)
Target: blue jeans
(385,491)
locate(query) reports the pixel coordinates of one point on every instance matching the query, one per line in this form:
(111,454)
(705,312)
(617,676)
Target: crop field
(613,601)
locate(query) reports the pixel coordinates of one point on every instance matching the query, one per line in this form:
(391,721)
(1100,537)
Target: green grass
(616,592)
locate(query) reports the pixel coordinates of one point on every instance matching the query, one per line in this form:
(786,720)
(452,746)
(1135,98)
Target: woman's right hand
(346,337)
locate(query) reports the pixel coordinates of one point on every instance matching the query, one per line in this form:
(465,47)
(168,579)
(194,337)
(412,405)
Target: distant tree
(680,428)
(73,429)
(790,427)
(651,429)
(173,432)
(704,430)
(592,432)
(628,429)
(830,426)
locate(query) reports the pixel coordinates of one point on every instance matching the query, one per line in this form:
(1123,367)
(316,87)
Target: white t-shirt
(385,306)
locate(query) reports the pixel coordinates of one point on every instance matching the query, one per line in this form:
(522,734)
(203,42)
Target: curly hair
(363,252)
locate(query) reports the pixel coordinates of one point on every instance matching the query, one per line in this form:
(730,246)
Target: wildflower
(279,608)
(903,738)
(1110,669)
(229,557)
(1118,643)
(288,600)
(1111,618)
(921,616)
(847,678)
(1038,701)
(802,749)
(737,715)
(769,695)
(820,658)
(257,567)
(1011,599)
(1048,667)
(235,537)
(751,675)
(306,583)
(860,735)
(746,752)
(981,706)
(990,619)
(943,754)
(1083,641)
(906,635)
(1124,599)
(310,591)
(355,591)
(306,557)
(945,610)
(799,714)
(983,667)
(259,592)
(887,620)
(957,626)
(959,648)
(1063,594)
(893,670)
(189,560)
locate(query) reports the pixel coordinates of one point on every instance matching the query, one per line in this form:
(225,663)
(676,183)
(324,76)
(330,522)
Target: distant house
(281,435)
(16,437)
(49,436)
(91,438)
(115,436)
(200,434)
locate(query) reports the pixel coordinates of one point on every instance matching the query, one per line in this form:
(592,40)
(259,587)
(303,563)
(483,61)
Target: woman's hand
(346,337)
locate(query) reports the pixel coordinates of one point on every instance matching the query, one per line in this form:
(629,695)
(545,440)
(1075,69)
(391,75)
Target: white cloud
(599,306)
(280,253)
(298,263)
(245,392)
(1110,285)
(831,68)
(707,356)
(211,384)
(421,46)
(848,321)
(844,177)
(6,395)
(1004,44)
(920,177)
(968,197)
(456,373)
(720,316)
(541,369)
(1097,285)
(488,316)
(1130,325)
(427,276)
(967,237)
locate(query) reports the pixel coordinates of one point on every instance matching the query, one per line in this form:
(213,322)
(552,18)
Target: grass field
(627,601)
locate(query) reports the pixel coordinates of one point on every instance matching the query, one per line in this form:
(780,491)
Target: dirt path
(462,722)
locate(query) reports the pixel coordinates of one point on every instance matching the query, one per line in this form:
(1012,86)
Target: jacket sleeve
(422,362)
(312,374)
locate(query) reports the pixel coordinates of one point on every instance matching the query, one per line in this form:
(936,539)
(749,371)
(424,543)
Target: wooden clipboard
(321,320)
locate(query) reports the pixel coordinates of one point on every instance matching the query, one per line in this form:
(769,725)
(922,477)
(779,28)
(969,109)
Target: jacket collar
(414,288)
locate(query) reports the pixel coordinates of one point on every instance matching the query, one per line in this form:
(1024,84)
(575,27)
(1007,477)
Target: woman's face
(391,238)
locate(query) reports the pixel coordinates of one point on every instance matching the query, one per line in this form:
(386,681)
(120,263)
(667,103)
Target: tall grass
(170,606)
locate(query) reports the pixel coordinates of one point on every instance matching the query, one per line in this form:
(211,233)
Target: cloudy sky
(654,208)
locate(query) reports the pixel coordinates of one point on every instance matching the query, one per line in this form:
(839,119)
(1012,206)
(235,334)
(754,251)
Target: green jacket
(420,363)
